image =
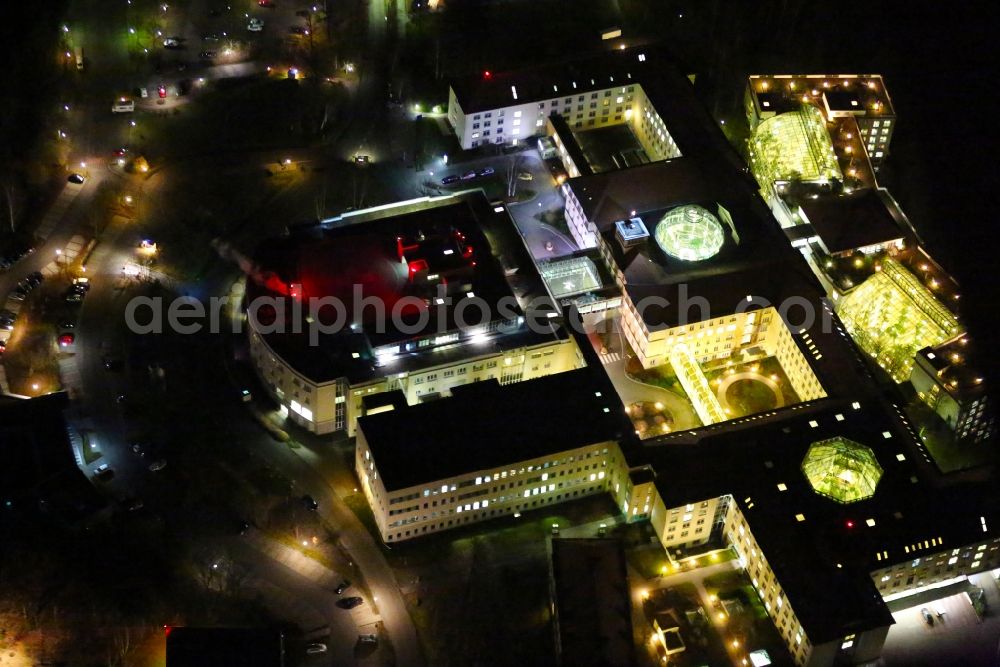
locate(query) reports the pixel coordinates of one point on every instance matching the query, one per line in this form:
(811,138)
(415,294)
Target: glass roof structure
(892,315)
(842,470)
(793,146)
(570,276)
(690,233)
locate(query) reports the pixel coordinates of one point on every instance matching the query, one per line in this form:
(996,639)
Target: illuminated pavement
(960,638)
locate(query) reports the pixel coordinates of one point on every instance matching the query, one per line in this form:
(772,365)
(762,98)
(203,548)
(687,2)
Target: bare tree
(511,172)
(11,197)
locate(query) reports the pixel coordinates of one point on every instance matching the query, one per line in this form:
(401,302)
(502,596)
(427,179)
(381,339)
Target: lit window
(900,457)
(870,523)
(782,487)
(800,517)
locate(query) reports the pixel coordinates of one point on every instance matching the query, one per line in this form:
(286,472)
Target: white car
(157,465)
(255,25)
(171,42)
(123,105)
(315,649)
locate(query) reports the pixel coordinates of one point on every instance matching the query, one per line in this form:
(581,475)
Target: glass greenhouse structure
(842,470)
(793,146)
(892,315)
(690,233)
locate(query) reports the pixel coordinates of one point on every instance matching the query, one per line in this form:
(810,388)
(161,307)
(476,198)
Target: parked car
(468,176)
(448,180)
(486,171)
(298,30)
(255,25)
(525,176)
(368,639)
(207,55)
(137,448)
(67,339)
(78,179)
(343,586)
(157,465)
(171,43)
(103,471)
(34,278)
(270,4)
(310,503)
(928,618)
(314,649)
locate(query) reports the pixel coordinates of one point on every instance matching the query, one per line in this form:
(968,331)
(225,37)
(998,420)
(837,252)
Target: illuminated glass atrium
(842,470)
(891,316)
(690,233)
(793,146)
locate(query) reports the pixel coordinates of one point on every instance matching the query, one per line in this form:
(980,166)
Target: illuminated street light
(65,28)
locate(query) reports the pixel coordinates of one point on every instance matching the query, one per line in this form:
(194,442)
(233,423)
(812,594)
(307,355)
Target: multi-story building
(827,502)
(946,380)
(861,100)
(589,93)
(487,452)
(825,506)
(421,292)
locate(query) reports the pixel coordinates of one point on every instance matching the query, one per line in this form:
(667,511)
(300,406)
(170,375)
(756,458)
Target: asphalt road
(101,333)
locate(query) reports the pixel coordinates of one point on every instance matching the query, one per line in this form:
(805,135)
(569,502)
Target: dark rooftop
(823,561)
(232,647)
(592,602)
(40,470)
(361,251)
(483,426)
(847,222)
(571,76)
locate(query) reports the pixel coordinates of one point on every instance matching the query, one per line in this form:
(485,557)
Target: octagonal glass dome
(690,233)
(842,470)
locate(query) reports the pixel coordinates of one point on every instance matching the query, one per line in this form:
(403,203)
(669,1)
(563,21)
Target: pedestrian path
(58,209)
(64,257)
(609,357)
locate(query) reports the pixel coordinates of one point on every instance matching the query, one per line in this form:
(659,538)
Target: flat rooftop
(859,94)
(484,426)
(846,222)
(41,465)
(753,259)
(407,257)
(572,76)
(822,551)
(592,602)
(956,364)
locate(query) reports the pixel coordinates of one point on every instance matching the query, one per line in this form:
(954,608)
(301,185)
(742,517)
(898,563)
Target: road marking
(610,357)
